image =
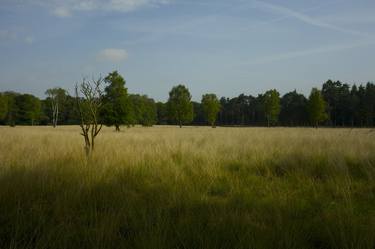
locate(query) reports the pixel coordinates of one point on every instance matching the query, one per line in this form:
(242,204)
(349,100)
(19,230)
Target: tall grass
(166,187)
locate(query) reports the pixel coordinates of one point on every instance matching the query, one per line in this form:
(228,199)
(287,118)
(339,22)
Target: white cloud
(112,55)
(62,12)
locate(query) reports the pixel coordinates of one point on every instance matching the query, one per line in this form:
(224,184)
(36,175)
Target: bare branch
(89,107)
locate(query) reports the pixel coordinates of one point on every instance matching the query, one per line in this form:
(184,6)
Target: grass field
(165,187)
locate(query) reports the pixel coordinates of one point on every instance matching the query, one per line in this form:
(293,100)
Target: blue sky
(224,47)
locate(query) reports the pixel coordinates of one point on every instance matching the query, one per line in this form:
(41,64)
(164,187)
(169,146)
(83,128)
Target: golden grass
(195,187)
(159,143)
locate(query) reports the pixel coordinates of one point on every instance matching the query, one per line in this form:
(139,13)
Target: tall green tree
(13,109)
(316,108)
(56,99)
(116,106)
(337,97)
(3,106)
(180,107)
(272,106)
(211,107)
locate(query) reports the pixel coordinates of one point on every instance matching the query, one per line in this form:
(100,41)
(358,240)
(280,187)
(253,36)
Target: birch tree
(56,96)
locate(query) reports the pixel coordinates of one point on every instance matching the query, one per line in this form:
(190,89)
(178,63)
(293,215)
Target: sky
(211,46)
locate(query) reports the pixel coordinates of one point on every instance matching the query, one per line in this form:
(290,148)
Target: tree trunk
(87,145)
(54,120)
(57,115)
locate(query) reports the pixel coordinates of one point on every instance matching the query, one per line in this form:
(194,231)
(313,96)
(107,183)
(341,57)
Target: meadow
(194,187)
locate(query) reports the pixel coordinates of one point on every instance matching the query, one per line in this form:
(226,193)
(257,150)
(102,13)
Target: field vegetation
(194,187)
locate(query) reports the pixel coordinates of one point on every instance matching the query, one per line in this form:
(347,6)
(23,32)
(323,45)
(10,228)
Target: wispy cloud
(350,18)
(112,55)
(66,8)
(305,18)
(308,52)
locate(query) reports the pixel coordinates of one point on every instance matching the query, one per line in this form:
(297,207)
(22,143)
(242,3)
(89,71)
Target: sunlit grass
(165,187)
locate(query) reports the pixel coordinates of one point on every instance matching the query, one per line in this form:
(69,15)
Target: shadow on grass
(76,207)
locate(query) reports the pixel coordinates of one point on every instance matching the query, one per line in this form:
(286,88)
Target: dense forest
(341,105)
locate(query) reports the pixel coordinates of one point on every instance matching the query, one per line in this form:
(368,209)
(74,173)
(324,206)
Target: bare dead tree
(89,102)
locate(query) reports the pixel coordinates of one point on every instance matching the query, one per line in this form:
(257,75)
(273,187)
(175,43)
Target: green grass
(166,187)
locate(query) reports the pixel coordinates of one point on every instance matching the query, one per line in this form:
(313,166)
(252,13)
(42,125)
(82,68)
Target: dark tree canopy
(199,116)
(336,95)
(180,107)
(3,106)
(162,113)
(293,109)
(28,109)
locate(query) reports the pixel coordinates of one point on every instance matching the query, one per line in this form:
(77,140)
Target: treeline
(345,105)
(335,104)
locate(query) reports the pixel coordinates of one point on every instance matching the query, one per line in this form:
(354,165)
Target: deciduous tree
(116,107)
(180,107)
(211,108)
(272,106)
(316,108)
